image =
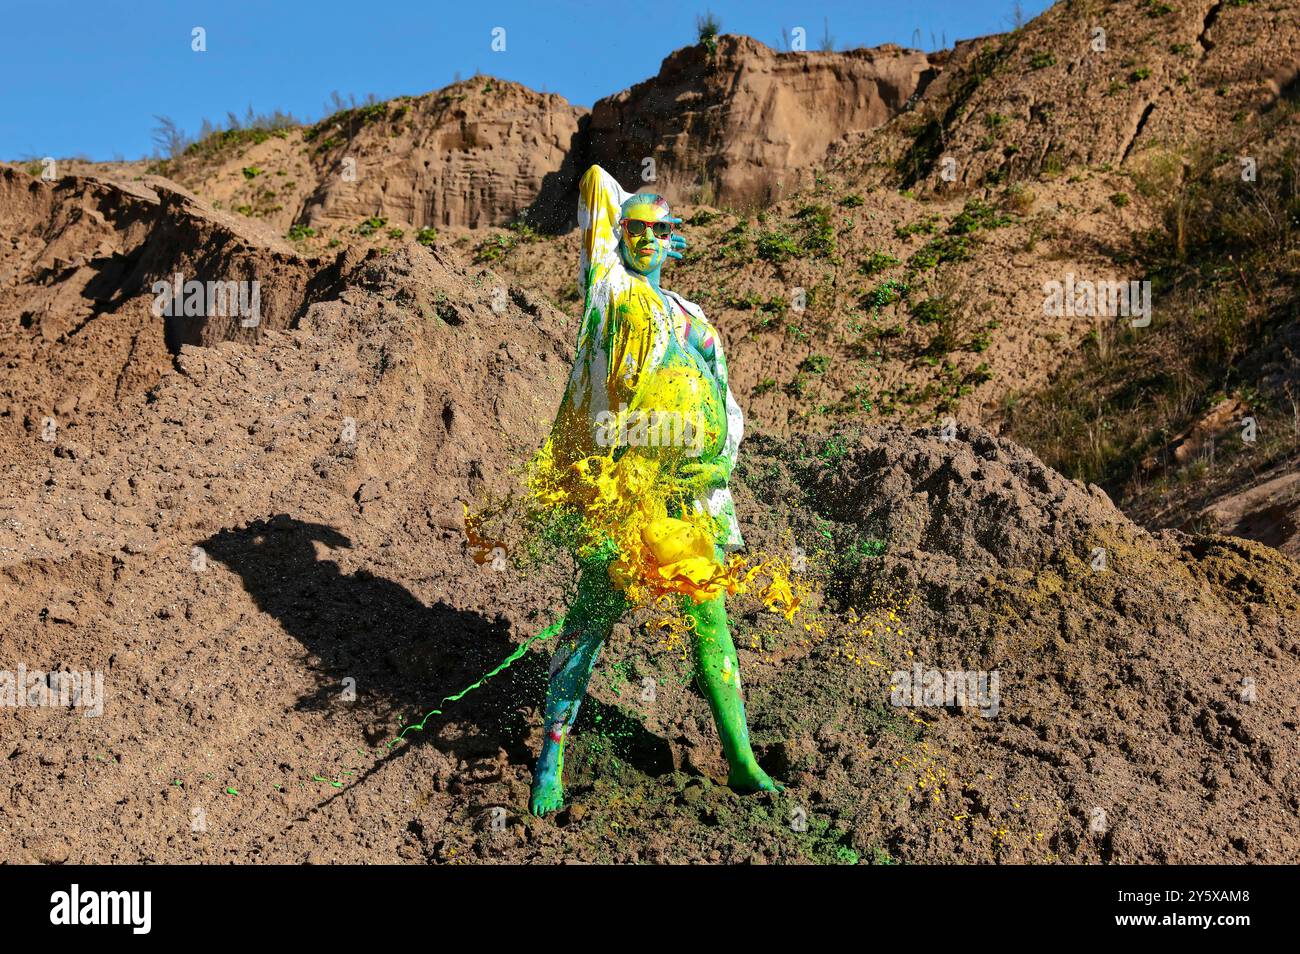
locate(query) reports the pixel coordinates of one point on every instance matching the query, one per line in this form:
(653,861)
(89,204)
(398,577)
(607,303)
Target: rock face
(734,126)
(474,154)
(741,124)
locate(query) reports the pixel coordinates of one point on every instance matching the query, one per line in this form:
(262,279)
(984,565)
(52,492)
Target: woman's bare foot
(547,796)
(751,778)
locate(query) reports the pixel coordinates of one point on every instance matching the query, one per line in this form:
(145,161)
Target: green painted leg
(718,674)
(587,626)
(570,672)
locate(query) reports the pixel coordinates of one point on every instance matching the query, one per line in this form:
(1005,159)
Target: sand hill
(254,529)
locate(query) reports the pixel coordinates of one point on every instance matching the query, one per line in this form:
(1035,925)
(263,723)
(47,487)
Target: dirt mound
(473,154)
(80,337)
(271,591)
(282,404)
(1145,680)
(1087,83)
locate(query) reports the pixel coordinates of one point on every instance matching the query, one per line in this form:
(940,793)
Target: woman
(649,384)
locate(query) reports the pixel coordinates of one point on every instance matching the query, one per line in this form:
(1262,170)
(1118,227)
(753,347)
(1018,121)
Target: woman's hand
(675,245)
(709,474)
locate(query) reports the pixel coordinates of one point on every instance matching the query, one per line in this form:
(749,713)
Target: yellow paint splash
(641,504)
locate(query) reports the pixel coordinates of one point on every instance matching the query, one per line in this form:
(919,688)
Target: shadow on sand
(405,655)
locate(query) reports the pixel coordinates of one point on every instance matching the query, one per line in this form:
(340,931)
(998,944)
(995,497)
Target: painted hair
(646,198)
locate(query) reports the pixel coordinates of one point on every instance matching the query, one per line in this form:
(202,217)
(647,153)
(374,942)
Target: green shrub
(776,246)
(707,27)
(931,310)
(350,119)
(941,251)
(922,226)
(977,215)
(877,262)
(734,243)
(820,236)
(884,294)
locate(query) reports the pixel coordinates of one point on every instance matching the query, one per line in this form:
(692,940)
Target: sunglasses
(637,227)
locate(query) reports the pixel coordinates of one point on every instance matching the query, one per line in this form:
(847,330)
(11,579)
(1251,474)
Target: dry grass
(1223,265)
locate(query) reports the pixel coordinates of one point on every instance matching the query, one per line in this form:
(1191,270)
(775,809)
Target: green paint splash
(505,664)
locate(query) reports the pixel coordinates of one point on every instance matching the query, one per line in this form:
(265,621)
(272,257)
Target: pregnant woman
(640,453)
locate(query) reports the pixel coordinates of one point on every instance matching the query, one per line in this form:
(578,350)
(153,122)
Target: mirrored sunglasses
(637,227)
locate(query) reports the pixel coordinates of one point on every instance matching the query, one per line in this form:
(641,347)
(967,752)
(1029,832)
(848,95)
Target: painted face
(644,253)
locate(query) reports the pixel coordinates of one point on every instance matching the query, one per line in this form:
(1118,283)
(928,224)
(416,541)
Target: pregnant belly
(682,408)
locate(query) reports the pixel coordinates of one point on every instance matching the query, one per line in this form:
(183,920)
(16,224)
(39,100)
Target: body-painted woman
(647,431)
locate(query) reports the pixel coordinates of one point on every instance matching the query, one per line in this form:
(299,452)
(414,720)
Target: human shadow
(553,211)
(403,655)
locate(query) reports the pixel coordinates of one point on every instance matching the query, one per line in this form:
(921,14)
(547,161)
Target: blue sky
(87,78)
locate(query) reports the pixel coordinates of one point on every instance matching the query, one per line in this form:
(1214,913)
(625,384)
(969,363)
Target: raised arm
(603,336)
(599,200)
